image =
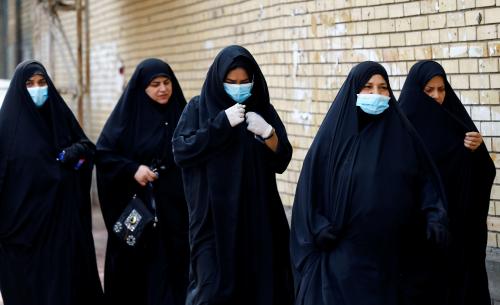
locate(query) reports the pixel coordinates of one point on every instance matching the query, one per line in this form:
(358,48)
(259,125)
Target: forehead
(238,73)
(376,78)
(160,79)
(436,81)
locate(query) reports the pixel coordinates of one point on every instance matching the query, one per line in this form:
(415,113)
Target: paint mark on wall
(209,44)
(296,53)
(303,118)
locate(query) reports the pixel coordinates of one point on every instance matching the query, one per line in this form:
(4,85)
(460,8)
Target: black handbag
(134,219)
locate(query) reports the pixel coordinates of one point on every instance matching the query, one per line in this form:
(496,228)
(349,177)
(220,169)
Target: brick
(495,80)
(406,54)
(374,26)
(468,65)
(459,81)
(437,21)
(396,10)
(369,41)
(489,97)
(428,7)
(467,33)
(481,113)
(447,5)
(383,40)
(492,240)
(488,65)
(450,66)
(440,51)
(403,25)
(477,50)
(494,222)
(494,48)
(368,13)
(486,32)
(413,38)
(419,23)
(495,116)
(361,28)
(479,81)
(397,39)
(455,19)
(388,26)
(381,12)
(423,53)
(448,35)
(390,54)
(492,15)
(491,129)
(480,3)
(472,17)
(461,50)
(465,4)
(430,37)
(412,8)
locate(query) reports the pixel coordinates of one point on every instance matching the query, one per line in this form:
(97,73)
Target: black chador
(467,176)
(366,186)
(47,254)
(238,229)
(139,132)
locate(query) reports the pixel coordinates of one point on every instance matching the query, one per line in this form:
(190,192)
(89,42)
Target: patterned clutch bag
(132,222)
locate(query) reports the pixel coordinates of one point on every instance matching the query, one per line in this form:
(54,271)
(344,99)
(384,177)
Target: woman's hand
(473,140)
(143,175)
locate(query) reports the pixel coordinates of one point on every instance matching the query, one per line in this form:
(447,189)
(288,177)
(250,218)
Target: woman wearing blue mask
(47,252)
(367,197)
(230,143)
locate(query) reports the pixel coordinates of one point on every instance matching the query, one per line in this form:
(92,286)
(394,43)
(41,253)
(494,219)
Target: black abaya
(139,132)
(47,254)
(466,175)
(238,229)
(367,181)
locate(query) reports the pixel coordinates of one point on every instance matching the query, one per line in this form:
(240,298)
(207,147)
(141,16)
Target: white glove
(258,125)
(235,114)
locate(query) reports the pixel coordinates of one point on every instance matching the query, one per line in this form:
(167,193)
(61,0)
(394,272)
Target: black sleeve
(193,144)
(280,159)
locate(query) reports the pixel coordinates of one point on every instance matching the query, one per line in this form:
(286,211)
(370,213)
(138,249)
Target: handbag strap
(153,202)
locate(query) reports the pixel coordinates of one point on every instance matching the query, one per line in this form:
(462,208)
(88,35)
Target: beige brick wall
(305,49)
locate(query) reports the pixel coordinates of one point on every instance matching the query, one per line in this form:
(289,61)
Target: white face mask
(373,103)
(239,93)
(39,95)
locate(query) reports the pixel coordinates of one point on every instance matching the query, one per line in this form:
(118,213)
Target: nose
(376,90)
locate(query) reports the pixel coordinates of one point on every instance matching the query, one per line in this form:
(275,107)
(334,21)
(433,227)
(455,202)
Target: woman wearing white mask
(230,143)
(367,197)
(47,252)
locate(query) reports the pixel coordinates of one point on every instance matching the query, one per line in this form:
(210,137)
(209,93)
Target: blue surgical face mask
(39,95)
(373,103)
(239,93)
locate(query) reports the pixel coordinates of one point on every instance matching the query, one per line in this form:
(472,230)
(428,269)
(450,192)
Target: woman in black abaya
(366,185)
(238,229)
(467,172)
(47,252)
(136,140)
